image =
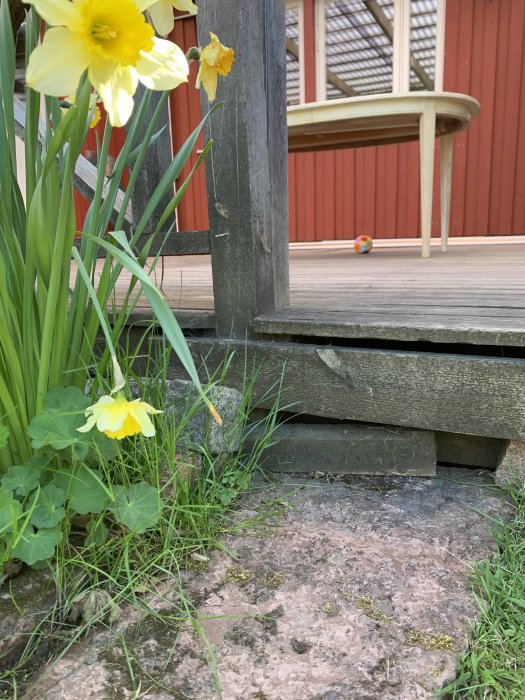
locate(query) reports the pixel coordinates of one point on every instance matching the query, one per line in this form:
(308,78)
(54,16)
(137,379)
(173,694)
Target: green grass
(493,668)
(199,491)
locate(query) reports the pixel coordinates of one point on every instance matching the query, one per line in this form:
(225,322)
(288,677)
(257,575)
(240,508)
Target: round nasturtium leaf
(48,510)
(136,507)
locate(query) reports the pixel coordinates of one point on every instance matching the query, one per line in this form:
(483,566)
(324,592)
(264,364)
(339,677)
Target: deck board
(472,293)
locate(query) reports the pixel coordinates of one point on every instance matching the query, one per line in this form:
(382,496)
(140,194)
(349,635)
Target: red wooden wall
(375,191)
(341,194)
(192,215)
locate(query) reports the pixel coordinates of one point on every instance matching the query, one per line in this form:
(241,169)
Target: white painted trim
(320,50)
(299,6)
(401,47)
(439,61)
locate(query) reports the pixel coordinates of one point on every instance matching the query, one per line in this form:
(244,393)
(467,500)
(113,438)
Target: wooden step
(483,325)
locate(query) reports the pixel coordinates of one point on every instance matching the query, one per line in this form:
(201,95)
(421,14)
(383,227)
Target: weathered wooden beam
(382,20)
(177,243)
(180,243)
(350,448)
(454,393)
(156,162)
(193,319)
(293,49)
(17,11)
(247,167)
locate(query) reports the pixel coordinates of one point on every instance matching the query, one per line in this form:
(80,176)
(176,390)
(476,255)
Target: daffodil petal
(116,86)
(57,12)
(141,416)
(208,77)
(164,67)
(144,4)
(110,421)
(161,14)
(56,65)
(88,425)
(185,6)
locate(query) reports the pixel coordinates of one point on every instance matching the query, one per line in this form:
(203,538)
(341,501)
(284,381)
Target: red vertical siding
(338,195)
(376,190)
(192,214)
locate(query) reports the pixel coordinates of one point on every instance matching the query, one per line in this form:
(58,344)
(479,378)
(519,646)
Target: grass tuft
(493,668)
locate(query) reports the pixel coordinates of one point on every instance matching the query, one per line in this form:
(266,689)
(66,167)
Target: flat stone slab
(32,592)
(360,590)
(351,448)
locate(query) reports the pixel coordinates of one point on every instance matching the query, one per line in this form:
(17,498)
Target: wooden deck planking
(472,293)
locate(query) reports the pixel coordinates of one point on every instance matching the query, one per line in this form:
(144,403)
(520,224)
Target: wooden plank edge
(186,318)
(281,325)
(177,243)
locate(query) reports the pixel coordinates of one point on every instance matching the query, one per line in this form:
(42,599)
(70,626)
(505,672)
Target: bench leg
(427,136)
(445,166)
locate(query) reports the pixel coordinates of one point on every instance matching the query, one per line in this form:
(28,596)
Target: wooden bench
(391,118)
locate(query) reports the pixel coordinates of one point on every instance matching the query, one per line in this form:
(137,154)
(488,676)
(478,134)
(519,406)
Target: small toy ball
(363,244)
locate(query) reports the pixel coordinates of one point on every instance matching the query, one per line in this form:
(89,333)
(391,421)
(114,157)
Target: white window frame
(400,47)
(299,6)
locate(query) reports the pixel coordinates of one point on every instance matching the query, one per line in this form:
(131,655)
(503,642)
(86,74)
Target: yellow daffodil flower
(118,418)
(161,13)
(215,60)
(96,116)
(95,119)
(113,42)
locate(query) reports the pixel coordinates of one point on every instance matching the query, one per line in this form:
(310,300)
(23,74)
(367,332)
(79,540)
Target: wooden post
(427,137)
(246,172)
(401,46)
(446,153)
(157,160)
(439,65)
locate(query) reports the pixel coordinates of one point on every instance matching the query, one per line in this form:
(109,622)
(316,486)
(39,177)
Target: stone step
(350,449)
